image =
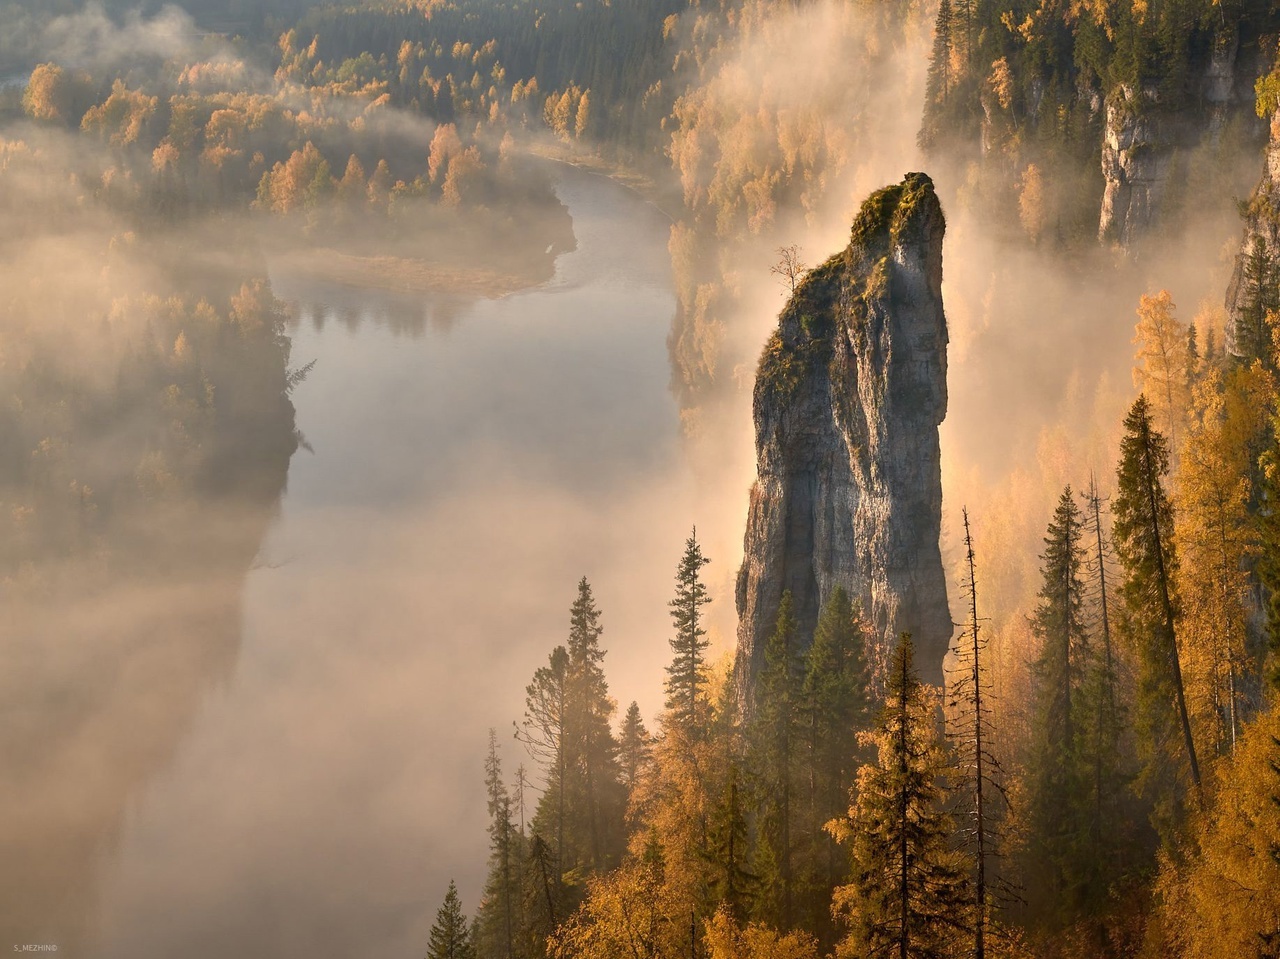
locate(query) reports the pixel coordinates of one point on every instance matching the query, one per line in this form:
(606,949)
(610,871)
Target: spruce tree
(775,736)
(544,732)
(1056,786)
(908,895)
(1195,366)
(1261,301)
(938,81)
(595,796)
(450,936)
(1143,527)
(635,747)
(835,706)
(1102,721)
(496,922)
(687,684)
(731,881)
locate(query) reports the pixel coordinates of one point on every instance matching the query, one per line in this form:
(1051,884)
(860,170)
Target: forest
(1098,776)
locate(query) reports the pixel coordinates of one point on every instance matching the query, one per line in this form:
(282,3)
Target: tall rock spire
(849,394)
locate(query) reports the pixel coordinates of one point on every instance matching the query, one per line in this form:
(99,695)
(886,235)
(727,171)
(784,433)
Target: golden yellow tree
(1216,538)
(48,94)
(1162,363)
(1223,900)
(725,939)
(631,913)
(1032,210)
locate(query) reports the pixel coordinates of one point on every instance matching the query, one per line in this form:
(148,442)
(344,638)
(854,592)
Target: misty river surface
(471,460)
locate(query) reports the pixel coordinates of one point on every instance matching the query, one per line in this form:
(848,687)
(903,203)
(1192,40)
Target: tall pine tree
(908,894)
(450,937)
(1143,527)
(688,705)
(496,931)
(835,707)
(776,738)
(595,796)
(979,784)
(1057,789)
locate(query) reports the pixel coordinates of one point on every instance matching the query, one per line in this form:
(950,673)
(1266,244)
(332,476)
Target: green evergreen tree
(908,895)
(687,683)
(544,732)
(1143,528)
(595,795)
(1057,798)
(730,852)
(835,706)
(1195,365)
(776,737)
(635,747)
(938,80)
(450,936)
(541,895)
(1267,520)
(496,921)
(1101,736)
(1261,301)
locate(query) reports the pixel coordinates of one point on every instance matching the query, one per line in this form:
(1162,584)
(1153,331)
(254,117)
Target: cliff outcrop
(1253,291)
(849,395)
(1147,141)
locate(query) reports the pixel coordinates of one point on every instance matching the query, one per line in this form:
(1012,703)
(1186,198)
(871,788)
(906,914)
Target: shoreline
(388,273)
(625,177)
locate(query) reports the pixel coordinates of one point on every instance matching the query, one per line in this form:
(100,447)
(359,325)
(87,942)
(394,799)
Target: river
(470,460)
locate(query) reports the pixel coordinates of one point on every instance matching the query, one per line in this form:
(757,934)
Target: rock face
(1253,287)
(848,398)
(1136,160)
(1147,141)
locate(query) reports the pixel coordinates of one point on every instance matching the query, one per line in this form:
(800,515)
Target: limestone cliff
(849,394)
(1253,287)
(1147,142)
(1136,158)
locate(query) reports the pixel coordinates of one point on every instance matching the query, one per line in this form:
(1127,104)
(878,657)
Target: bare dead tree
(789,269)
(979,768)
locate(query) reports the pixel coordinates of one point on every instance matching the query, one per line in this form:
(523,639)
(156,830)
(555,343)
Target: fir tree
(450,937)
(1143,526)
(938,81)
(687,697)
(731,882)
(1195,366)
(596,799)
(908,895)
(635,747)
(496,932)
(1261,301)
(835,706)
(1056,800)
(1102,719)
(544,733)
(775,738)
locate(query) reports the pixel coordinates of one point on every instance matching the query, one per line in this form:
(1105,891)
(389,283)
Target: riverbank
(407,275)
(665,201)
(425,249)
